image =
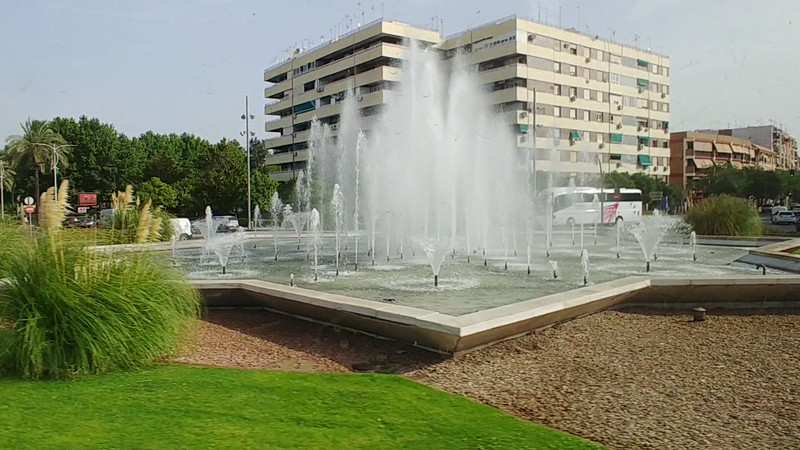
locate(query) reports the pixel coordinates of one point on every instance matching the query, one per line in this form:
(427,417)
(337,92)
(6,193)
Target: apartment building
(314,82)
(574,101)
(693,151)
(782,143)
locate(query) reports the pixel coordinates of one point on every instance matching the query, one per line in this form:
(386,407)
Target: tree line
(181,172)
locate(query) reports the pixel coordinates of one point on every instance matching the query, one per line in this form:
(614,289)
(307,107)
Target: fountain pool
(463,287)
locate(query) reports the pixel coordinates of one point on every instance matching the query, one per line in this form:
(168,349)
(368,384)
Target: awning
(739,149)
(616,138)
(523,128)
(702,146)
(644,138)
(642,63)
(303,107)
(642,82)
(723,148)
(703,163)
(575,136)
(644,160)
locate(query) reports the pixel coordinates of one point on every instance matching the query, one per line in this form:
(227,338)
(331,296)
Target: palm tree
(36,147)
(7,175)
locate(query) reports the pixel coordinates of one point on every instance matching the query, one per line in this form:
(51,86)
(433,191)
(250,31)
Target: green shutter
(644,160)
(644,139)
(616,138)
(575,136)
(303,107)
(642,82)
(615,157)
(642,63)
(523,128)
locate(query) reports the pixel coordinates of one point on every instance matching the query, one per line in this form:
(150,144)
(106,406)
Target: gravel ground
(624,380)
(645,381)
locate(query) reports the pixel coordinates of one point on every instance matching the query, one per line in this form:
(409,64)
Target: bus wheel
(570,222)
(619,220)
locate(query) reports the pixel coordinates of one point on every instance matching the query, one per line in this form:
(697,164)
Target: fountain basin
(458,334)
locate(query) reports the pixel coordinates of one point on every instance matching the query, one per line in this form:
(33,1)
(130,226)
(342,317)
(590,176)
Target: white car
(785,217)
(776,210)
(182,228)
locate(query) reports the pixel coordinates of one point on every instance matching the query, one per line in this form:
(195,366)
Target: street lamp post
(246,117)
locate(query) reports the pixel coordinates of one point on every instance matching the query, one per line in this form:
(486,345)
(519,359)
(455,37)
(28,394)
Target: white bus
(583,205)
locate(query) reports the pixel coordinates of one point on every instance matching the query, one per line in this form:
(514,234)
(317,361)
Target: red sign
(30,209)
(87,199)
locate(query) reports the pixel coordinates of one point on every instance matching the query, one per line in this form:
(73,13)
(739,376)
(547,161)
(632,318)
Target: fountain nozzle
(555,274)
(529,270)
(291,279)
(585,281)
(763,268)
(224,269)
(648,267)
(506,265)
(436,281)
(694,256)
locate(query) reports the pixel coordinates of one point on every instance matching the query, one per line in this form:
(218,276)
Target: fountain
(439,171)
(585,266)
(338,207)
(435,252)
(256,217)
(693,244)
(275,212)
(649,232)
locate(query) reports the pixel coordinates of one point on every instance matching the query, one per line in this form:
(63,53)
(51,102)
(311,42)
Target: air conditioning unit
(320,88)
(640,146)
(639,128)
(587,81)
(619,164)
(641,89)
(619,107)
(531,37)
(335,126)
(572,98)
(665,168)
(523,114)
(601,145)
(619,126)
(663,95)
(361,98)
(588,59)
(566,45)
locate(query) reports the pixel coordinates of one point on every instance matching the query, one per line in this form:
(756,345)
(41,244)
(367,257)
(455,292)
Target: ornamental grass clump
(68,310)
(724,216)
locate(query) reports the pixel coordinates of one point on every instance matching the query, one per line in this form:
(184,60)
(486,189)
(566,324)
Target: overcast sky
(186,66)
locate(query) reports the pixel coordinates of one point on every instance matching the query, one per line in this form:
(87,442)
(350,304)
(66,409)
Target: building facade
(782,143)
(693,151)
(573,100)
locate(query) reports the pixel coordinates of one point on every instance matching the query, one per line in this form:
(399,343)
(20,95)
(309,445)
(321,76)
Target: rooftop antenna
(579,17)
(559,16)
(539,12)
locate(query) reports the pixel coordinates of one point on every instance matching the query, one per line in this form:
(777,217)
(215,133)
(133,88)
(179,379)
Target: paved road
(765,219)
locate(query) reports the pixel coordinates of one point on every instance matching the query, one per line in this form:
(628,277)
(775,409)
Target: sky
(174,66)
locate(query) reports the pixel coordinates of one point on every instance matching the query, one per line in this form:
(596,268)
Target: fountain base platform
(459,334)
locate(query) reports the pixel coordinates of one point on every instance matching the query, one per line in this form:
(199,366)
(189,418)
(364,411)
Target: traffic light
(791,172)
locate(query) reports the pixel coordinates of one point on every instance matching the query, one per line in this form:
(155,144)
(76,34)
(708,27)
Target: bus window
(561,202)
(631,197)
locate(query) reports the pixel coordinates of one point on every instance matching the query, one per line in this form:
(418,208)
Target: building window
(665,71)
(586,115)
(615,59)
(587,94)
(600,137)
(556,111)
(664,107)
(573,49)
(587,52)
(573,113)
(557,89)
(573,70)
(557,67)
(573,91)
(614,78)
(601,76)
(565,156)
(598,116)
(600,96)
(655,68)
(654,105)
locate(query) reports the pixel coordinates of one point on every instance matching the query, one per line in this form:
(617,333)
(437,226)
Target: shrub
(13,241)
(724,216)
(73,311)
(134,223)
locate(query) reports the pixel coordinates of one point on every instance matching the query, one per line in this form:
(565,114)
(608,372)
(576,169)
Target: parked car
(79,222)
(785,217)
(227,224)
(776,210)
(182,228)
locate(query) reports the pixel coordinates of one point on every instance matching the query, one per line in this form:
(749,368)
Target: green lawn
(180,406)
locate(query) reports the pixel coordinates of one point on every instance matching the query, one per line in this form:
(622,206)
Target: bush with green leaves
(724,216)
(67,309)
(13,241)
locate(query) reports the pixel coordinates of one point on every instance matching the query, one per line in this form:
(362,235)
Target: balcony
(515,94)
(502,73)
(283,176)
(379,50)
(286,157)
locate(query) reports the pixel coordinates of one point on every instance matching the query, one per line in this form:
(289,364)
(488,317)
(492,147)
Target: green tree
(35,148)
(263,187)
(103,160)
(223,171)
(160,193)
(617,180)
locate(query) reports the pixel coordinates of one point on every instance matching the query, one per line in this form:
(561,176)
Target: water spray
(291,279)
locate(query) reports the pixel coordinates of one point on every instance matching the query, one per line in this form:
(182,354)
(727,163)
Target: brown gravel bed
(621,379)
(259,339)
(646,381)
